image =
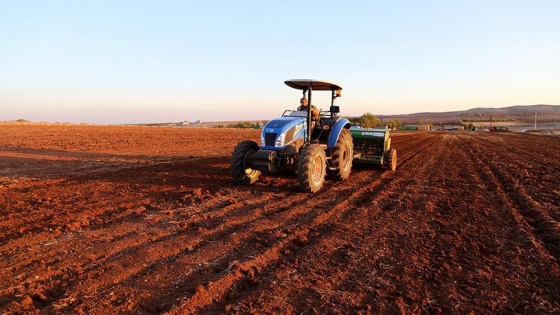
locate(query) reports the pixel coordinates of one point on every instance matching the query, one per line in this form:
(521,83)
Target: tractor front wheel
(343,153)
(312,168)
(242,163)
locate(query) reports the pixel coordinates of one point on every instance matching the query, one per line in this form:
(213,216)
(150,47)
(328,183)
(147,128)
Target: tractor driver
(314,111)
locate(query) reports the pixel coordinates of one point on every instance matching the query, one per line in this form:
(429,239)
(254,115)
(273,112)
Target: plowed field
(107,220)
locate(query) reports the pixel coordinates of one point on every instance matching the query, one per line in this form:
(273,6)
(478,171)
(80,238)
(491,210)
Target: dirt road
(105,220)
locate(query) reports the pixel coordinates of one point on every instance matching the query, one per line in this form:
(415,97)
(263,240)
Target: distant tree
(244,125)
(394,124)
(22,120)
(368,120)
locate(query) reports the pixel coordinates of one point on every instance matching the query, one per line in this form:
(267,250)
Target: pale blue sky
(159,61)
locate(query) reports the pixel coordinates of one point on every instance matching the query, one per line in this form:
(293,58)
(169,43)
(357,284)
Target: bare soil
(146,220)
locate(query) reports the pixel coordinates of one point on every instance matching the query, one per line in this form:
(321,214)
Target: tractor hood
(280,132)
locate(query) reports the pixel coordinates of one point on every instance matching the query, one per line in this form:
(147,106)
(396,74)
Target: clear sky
(133,61)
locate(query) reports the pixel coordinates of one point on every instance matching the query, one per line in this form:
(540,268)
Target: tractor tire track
(113,259)
(542,228)
(313,235)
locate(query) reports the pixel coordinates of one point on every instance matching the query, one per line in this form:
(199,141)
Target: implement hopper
(373,146)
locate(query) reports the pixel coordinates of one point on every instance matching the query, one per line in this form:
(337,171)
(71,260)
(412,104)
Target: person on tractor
(315,113)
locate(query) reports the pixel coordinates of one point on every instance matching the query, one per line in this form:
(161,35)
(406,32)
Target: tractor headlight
(280,140)
(262,139)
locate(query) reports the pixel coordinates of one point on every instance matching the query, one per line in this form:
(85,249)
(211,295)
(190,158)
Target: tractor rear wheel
(312,168)
(242,163)
(343,153)
(391,160)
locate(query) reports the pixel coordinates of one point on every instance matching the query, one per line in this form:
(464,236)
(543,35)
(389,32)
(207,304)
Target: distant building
(448,127)
(415,127)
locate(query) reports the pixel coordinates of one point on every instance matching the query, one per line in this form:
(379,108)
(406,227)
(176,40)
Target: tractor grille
(269,139)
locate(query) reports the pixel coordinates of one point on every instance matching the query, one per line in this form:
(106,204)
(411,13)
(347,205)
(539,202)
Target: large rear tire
(391,160)
(312,168)
(343,154)
(242,163)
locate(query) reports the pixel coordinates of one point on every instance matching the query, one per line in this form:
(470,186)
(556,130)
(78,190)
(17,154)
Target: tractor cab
(322,125)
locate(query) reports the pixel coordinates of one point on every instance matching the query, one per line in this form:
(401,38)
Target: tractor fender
(335,132)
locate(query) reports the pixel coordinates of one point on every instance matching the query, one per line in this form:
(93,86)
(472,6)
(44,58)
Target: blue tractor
(288,143)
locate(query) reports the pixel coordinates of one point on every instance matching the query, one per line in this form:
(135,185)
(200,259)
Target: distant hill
(512,115)
(515,110)
(516,117)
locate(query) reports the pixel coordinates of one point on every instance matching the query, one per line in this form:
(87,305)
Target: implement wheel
(312,168)
(391,160)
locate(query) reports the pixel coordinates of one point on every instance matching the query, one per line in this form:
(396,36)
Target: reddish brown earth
(106,220)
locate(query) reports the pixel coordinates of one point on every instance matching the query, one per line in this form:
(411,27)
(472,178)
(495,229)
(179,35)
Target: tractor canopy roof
(317,85)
